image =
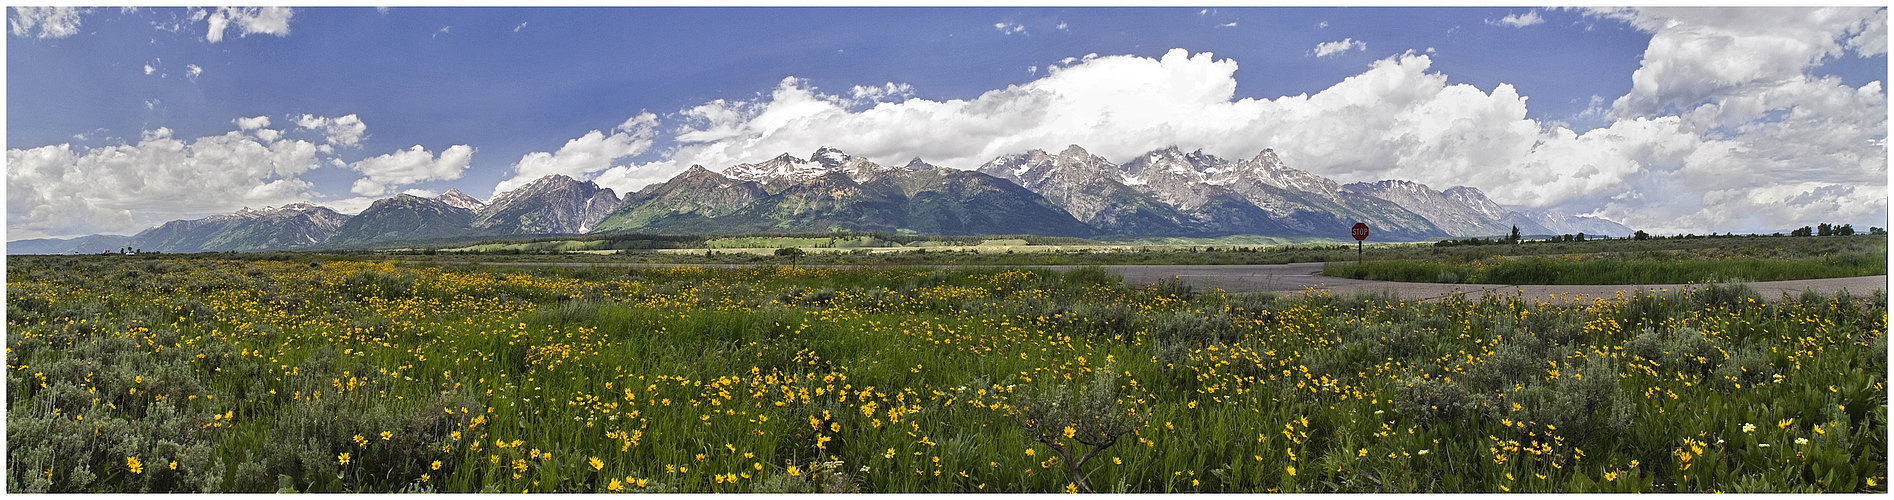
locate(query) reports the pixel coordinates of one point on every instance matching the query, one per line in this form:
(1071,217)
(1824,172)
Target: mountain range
(1166,192)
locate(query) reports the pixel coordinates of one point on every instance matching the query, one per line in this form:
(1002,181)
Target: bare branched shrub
(1096,421)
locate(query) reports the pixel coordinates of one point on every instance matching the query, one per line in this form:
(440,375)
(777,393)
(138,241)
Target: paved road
(1290,278)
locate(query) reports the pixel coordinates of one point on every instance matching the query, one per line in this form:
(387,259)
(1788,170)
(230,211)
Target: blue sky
(121,119)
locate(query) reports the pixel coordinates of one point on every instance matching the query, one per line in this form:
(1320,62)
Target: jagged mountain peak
(550,180)
(785,170)
(1463,191)
(830,157)
(1071,151)
(551,204)
(298,207)
(295,225)
(456,198)
(404,199)
(917,164)
(1390,184)
(783,167)
(1473,197)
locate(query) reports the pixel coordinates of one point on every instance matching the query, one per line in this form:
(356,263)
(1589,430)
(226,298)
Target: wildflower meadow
(205,374)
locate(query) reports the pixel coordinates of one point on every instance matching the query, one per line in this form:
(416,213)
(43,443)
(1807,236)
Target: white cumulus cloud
(252,123)
(1336,48)
(1009,27)
(1703,55)
(346,130)
(248,20)
(885,92)
(62,190)
(1398,119)
(590,155)
(1529,18)
(52,22)
(393,170)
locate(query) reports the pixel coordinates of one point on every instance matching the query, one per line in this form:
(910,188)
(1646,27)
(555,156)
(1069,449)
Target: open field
(856,245)
(1858,251)
(168,374)
(1748,259)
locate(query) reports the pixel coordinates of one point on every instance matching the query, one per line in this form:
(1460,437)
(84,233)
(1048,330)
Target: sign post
(1360,231)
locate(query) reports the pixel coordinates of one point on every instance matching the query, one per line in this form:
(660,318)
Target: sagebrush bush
(1428,401)
(1194,328)
(1683,349)
(1515,361)
(1747,368)
(1052,417)
(1735,295)
(1584,405)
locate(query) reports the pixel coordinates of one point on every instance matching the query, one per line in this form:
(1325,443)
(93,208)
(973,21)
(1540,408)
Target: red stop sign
(1360,231)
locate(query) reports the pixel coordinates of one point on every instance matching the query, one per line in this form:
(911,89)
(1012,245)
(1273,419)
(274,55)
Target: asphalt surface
(1301,277)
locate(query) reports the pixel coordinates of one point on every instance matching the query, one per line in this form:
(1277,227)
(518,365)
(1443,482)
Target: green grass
(1645,268)
(909,380)
(1235,250)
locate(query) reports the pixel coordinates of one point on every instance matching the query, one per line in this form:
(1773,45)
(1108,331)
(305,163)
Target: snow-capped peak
(782,167)
(453,197)
(830,157)
(792,169)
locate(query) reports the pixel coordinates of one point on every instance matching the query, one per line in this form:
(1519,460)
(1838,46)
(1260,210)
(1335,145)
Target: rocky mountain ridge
(1165,192)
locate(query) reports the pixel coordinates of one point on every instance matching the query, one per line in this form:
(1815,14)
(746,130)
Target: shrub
(1583,405)
(1349,358)
(1173,287)
(1730,295)
(1747,368)
(782,483)
(1556,326)
(1095,420)
(1683,349)
(1513,362)
(1645,308)
(1429,400)
(1193,328)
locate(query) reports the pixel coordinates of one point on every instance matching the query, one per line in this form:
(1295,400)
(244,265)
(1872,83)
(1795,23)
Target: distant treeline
(639,241)
(1824,229)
